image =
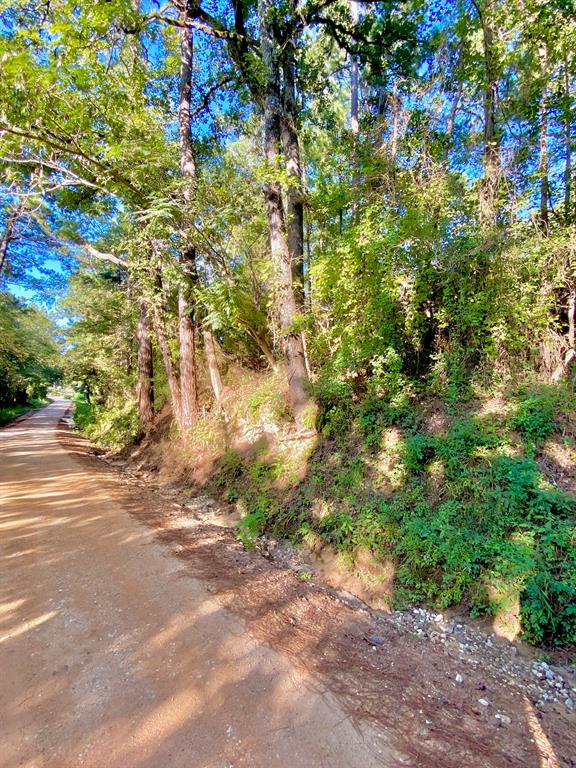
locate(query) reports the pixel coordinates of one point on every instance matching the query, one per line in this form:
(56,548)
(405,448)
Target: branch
(73,151)
(208,95)
(80,243)
(190,23)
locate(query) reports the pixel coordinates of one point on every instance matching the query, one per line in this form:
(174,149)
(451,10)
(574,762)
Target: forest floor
(137,631)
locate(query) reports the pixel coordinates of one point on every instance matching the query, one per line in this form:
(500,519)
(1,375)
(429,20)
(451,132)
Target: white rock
(503,719)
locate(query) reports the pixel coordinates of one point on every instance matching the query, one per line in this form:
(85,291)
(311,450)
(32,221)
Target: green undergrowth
(458,509)
(110,427)
(9,413)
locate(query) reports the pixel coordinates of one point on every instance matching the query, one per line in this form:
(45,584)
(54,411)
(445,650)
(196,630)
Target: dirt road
(110,655)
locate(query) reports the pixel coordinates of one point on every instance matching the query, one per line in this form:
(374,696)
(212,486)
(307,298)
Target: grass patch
(11,412)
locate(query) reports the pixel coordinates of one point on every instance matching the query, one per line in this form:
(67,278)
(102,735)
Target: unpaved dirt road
(110,655)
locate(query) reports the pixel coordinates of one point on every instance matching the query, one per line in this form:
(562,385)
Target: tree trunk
(171,377)
(187,161)
(187,339)
(395,106)
(543,160)
(295,191)
(213,367)
(354,78)
(145,370)
(354,116)
(286,303)
(7,237)
(571,323)
(454,111)
(492,165)
(263,346)
(186,319)
(567,145)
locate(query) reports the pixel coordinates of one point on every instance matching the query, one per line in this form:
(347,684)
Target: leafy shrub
(418,451)
(268,402)
(468,510)
(108,426)
(9,413)
(250,527)
(535,418)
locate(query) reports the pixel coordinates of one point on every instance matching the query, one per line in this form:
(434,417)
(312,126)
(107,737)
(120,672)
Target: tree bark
(454,110)
(567,145)
(492,164)
(187,161)
(145,370)
(173,385)
(571,318)
(187,341)
(295,191)
(395,105)
(186,319)
(213,367)
(543,160)
(169,367)
(7,237)
(263,346)
(286,302)
(354,78)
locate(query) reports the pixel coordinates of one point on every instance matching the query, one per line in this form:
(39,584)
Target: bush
(491,518)
(539,410)
(108,426)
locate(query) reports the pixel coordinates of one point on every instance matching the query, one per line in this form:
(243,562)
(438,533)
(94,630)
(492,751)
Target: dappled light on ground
(546,755)
(112,656)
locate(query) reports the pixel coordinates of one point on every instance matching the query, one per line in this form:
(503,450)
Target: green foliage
(268,401)
(250,527)
(489,517)
(29,360)
(418,452)
(108,427)
(539,410)
(11,412)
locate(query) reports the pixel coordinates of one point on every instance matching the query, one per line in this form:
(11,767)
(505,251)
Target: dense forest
(334,243)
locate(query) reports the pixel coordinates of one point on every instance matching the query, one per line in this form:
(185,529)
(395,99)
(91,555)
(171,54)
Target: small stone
(374,639)
(549,674)
(483,703)
(569,704)
(459,679)
(503,719)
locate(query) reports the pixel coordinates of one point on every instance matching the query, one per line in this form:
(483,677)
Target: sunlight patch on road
(8,608)
(27,626)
